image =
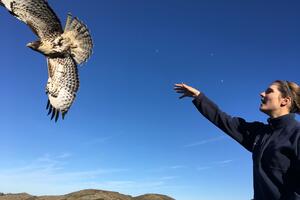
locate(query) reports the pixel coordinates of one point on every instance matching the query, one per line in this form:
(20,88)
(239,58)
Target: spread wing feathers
(62,85)
(38,15)
(77,33)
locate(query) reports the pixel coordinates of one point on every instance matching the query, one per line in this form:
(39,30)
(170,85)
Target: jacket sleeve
(294,180)
(294,196)
(243,132)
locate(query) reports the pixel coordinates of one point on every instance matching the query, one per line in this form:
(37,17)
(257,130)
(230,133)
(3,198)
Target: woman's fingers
(181,85)
(177,84)
(186,90)
(181,90)
(182,96)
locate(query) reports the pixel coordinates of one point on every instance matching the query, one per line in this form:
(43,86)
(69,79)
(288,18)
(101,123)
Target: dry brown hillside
(85,195)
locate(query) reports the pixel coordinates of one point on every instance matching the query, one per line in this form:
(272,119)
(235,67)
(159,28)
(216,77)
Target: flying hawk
(63,49)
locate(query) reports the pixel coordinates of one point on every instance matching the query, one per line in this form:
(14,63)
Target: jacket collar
(282,121)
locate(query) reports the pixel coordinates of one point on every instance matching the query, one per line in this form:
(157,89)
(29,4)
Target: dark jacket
(275,149)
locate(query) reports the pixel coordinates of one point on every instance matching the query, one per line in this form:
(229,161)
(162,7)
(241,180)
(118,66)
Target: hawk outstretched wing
(37,14)
(62,85)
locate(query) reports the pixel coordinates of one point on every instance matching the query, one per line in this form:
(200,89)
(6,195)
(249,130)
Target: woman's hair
(290,89)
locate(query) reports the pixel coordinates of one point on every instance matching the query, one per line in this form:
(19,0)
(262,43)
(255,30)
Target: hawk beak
(30,45)
(34,45)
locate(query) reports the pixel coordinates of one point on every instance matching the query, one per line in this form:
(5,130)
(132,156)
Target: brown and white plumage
(62,85)
(64,49)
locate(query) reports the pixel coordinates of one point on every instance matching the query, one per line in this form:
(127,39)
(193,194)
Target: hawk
(64,49)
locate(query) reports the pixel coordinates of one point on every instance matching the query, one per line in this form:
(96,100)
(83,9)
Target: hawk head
(34,45)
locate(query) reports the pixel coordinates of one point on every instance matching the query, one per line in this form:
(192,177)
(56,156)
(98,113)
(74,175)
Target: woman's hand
(186,91)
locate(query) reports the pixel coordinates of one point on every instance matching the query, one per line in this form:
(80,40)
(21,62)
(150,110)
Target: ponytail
(290,89)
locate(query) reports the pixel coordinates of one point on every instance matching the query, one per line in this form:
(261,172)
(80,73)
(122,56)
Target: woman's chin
(262,108)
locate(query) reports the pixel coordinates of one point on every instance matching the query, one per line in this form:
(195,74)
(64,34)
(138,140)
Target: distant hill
(85,195)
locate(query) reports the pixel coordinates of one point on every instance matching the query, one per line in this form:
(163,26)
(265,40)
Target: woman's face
(271,100)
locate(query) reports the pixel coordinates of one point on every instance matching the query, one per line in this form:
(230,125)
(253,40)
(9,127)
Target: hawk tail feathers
(79,36)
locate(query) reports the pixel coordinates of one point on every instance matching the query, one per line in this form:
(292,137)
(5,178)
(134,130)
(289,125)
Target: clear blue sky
(127,130)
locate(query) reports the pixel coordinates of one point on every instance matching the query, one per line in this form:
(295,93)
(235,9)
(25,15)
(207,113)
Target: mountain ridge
(87,194)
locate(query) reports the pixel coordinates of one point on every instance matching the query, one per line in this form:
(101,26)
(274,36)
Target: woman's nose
(262,94)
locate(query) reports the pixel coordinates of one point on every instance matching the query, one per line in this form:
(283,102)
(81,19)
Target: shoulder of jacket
(295,133)
(261,125)
(296,127)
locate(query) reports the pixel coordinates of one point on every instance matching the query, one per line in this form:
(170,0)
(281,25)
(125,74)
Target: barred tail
(77,33)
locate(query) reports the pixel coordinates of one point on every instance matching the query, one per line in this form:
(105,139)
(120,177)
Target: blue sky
(127,130)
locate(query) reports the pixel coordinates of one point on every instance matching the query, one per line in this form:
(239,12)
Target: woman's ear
(286,101)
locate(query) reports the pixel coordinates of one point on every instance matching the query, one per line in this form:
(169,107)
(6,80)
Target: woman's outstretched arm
(243,132)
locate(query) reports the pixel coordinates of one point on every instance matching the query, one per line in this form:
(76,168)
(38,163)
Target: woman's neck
(279,114)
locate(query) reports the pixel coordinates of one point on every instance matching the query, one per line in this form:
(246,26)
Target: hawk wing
(37,14)
(62,85)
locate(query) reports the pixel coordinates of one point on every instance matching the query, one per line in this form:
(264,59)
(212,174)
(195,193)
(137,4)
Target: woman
(275,146)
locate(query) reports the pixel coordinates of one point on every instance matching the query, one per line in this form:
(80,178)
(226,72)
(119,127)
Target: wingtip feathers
(55,113)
